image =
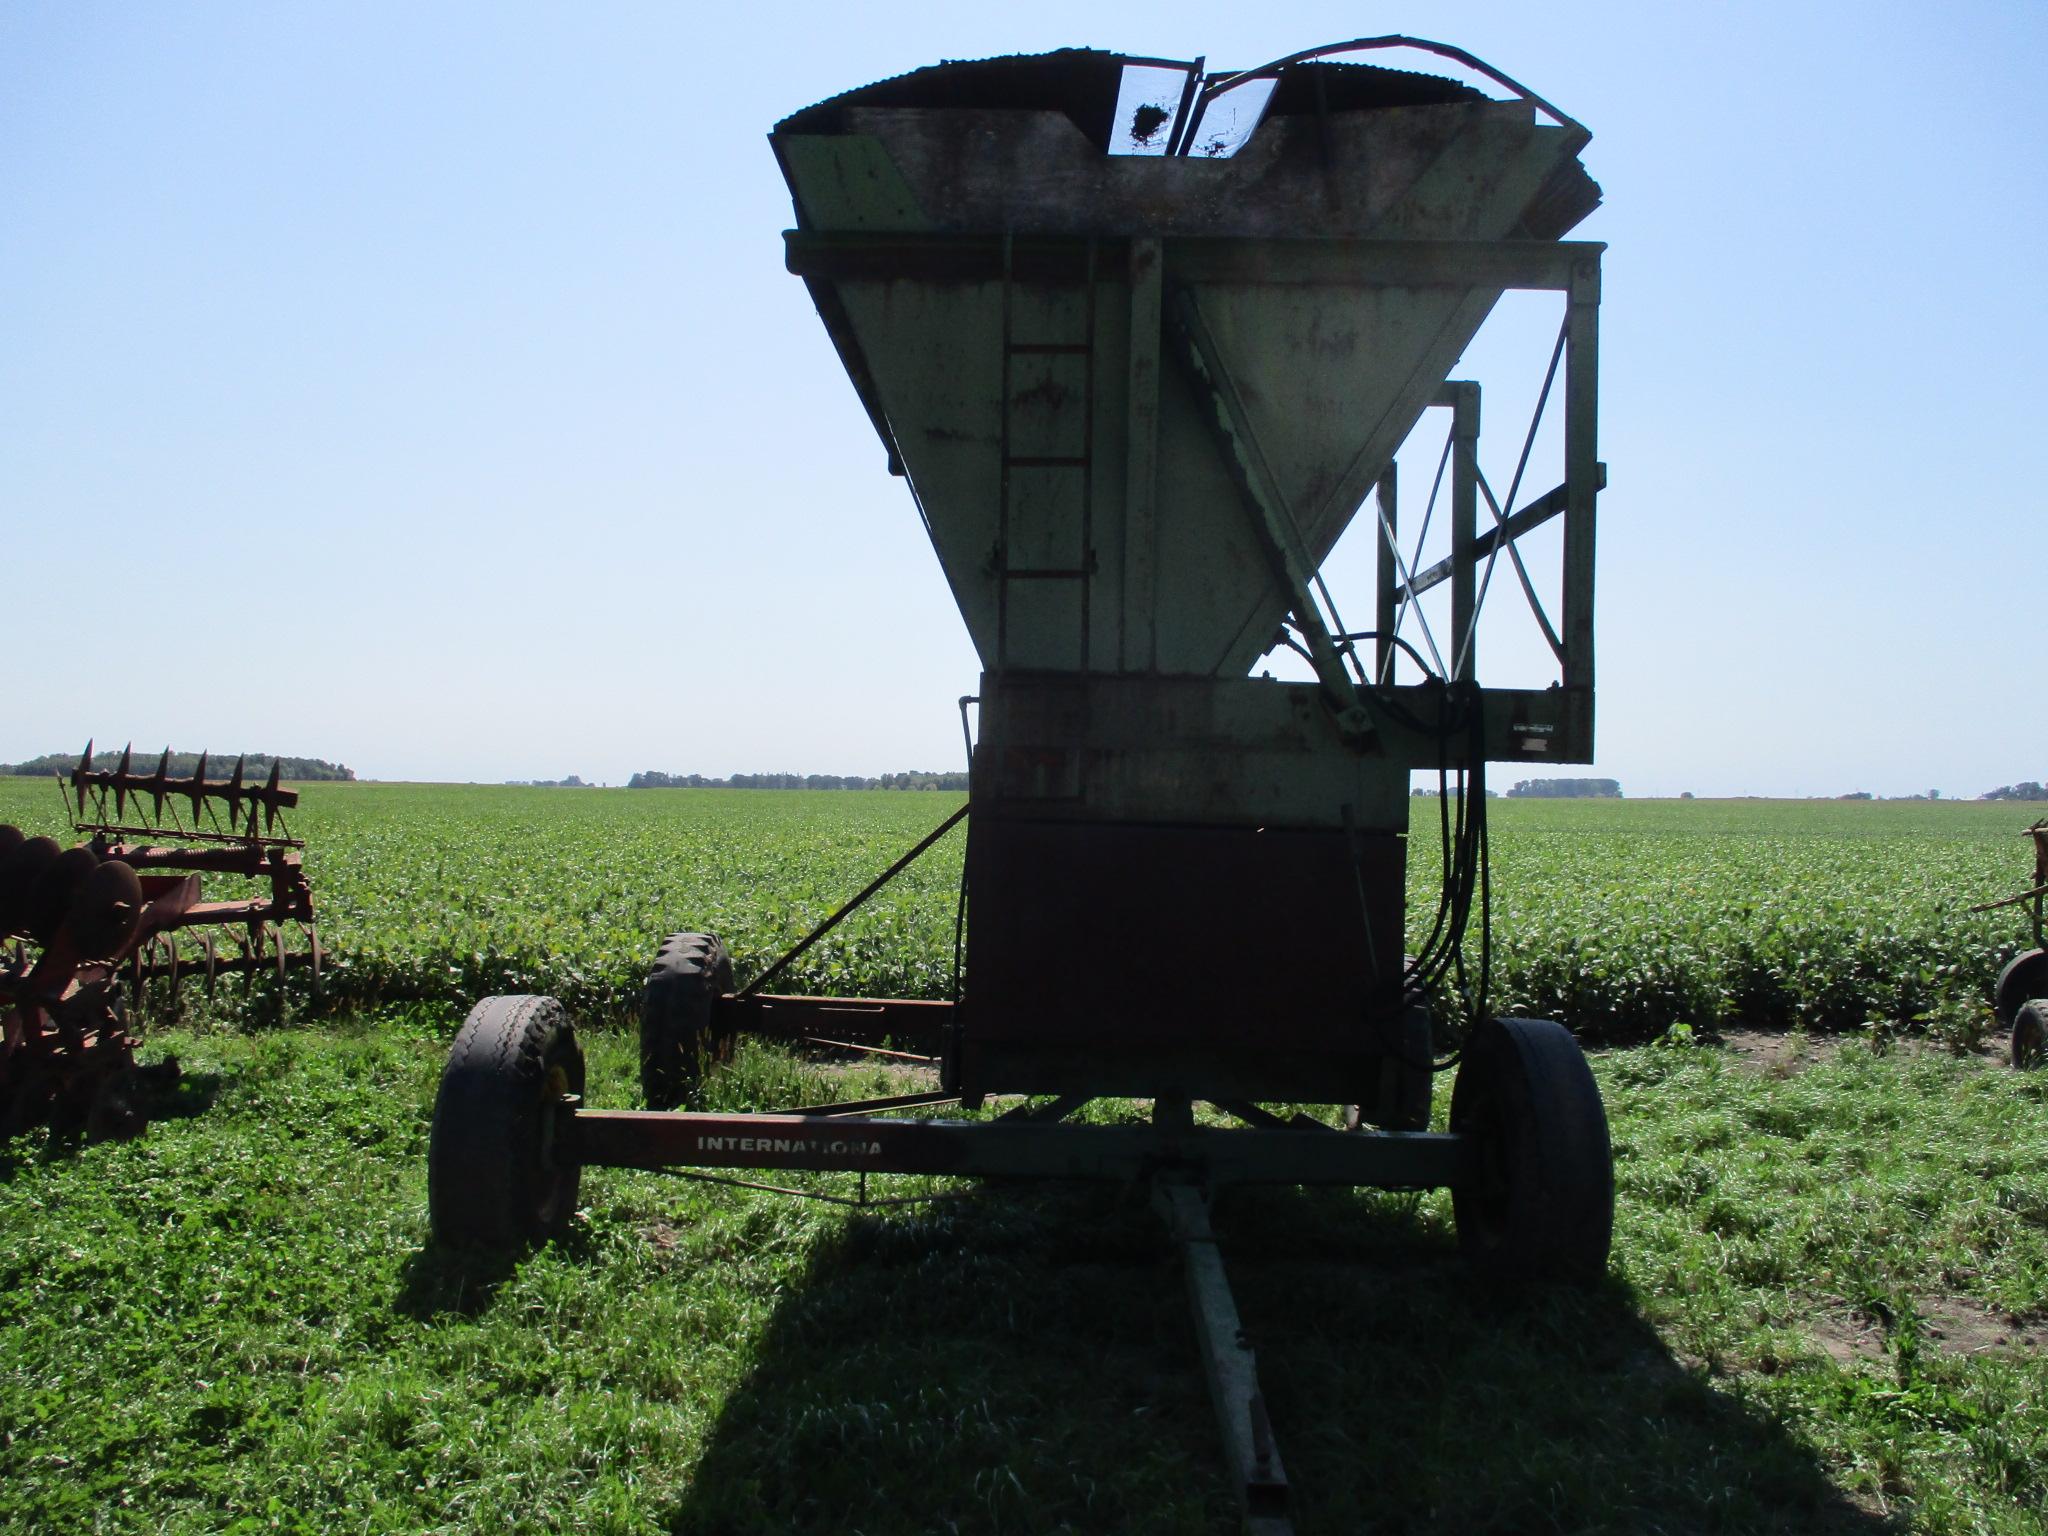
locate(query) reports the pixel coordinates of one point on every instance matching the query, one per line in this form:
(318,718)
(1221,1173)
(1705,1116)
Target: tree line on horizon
(1566,789)
(912,780)
(255,765)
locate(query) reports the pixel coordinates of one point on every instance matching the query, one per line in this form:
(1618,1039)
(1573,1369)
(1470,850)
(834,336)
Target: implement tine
(121,780)
(78,781)
(160,786)
(235,791)
(269,800)
(195,790)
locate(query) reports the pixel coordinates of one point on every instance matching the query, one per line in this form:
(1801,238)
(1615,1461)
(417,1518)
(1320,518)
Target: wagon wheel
(1540,1203)
(2030,1033)
(2025,975)
(492,1175)
(679,1043)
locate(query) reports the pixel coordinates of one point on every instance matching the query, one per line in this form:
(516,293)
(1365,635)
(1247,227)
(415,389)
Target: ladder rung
(1046,461)
(1052,348)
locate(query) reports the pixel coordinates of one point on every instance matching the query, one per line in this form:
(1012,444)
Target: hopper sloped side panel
(934,351)
(1332,381)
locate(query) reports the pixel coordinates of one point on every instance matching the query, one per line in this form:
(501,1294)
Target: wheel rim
(553,1180)
(2028,1045)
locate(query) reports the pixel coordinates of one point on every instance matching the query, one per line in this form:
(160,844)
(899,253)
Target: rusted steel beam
(875,1106)
(1322,262)
(760,983)
(852,1021)
(2011,901)
(621,1138)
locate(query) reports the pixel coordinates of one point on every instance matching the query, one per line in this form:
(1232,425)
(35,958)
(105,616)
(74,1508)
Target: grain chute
(1143,352)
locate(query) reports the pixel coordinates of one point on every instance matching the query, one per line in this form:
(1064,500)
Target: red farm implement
(85,931)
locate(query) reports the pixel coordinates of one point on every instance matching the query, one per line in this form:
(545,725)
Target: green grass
(235,1324)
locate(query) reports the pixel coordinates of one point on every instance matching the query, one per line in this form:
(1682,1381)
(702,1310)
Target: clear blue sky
(420,386)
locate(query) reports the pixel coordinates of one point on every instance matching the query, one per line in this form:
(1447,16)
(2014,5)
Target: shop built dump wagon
(1142,352)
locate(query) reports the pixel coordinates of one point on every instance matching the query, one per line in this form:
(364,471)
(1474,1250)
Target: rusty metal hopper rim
(1457,55)
(1001,74)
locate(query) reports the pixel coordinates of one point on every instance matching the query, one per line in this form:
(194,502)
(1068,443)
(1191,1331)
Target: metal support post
(1464,524)
(1582,477)
(1141,471)
(1388,492)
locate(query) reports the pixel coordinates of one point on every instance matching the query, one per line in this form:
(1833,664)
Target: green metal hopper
(1138,398)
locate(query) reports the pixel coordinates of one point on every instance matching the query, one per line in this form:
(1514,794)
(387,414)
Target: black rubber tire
(492,1178)
(2025,976)
(1541,1206)
(678,1044)
(2030,1033)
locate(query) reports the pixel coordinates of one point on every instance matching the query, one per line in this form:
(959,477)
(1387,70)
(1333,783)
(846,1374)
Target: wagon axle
(1526,1159)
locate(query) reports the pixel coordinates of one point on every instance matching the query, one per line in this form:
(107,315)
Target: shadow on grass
(193,1094)
(461,1280)
(1027,1362)
(1407,1395)
(65,1131)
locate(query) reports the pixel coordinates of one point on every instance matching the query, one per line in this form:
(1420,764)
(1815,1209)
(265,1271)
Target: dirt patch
(1955,1325)
(1788,1052)
(1964,1327)
(1778,1052)
(1849,1338)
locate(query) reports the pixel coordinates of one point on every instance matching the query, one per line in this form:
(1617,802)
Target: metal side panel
(847,181)
(1139,960)
(1188,751)
(935,351)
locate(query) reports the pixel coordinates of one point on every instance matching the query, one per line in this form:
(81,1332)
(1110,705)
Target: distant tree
(1685,794)
(1566,789)
(2026,789)
(1857,794)
(650,779)
(255,765)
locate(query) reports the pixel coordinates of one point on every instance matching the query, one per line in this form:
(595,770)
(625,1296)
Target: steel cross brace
(1274,520)
(1227,1360)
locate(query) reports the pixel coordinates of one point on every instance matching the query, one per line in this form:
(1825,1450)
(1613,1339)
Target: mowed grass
(236,1323)
(1826,1311)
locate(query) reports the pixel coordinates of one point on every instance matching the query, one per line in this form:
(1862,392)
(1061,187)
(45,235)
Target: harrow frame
(122,907)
